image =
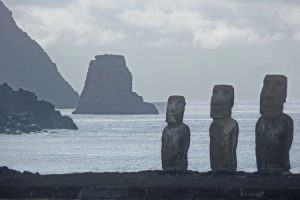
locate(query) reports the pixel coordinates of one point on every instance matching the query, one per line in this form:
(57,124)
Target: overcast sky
(171,46)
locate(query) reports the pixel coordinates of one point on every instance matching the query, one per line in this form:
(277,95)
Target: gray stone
(108,89)
(223,131)
(22,112)
(175,137)
(274,129)
(103,193)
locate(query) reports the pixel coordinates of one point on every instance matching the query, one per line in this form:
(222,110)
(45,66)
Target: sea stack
(274,129)
(24,64)
(108,89)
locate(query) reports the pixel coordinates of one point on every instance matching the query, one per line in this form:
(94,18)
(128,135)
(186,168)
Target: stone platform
(150,185)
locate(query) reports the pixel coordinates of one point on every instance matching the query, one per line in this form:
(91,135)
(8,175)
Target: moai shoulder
(180,131)
(284,123)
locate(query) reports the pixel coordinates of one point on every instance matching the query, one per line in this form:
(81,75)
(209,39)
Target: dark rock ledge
(22,112)
(150,185)
(5,171)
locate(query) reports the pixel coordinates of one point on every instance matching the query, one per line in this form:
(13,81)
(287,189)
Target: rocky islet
(108,89)
(22,112)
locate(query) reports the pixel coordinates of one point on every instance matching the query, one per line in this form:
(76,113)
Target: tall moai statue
(274,129)
(175,137)
(223,131)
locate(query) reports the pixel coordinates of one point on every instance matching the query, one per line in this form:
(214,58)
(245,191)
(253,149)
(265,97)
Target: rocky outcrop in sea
(108,89)
(5,171)
(24,64)
(22,112)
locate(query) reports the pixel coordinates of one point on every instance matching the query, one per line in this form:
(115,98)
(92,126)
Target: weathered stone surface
(274,129)
(108,89)
(103,192)
(150,185)
(222,101)
(273,95)
(273,142)
(24,64)
(223,131)
(22,112)
(175,137)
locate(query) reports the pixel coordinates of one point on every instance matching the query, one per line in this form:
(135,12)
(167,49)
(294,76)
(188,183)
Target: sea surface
(127,143)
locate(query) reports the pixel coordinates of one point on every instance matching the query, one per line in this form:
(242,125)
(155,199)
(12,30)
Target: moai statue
(223,131)
(175,137)
(274,129)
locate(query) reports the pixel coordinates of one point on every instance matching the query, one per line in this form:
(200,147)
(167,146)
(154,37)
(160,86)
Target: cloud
(222,33)
(290,15)
(208,33)
(200,42)
(201,23)
(45,3)
(49,25)
(296,36)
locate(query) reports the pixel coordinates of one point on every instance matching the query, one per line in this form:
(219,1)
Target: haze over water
(126,143)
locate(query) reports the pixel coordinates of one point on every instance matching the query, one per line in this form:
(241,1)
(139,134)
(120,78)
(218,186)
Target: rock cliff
(22,112)
(24,64)
(108,89)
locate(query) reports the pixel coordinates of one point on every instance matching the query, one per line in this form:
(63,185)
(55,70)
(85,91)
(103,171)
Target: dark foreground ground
(150,185)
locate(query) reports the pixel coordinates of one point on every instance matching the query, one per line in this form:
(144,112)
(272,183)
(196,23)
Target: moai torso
(175,137)
(223,131)
(223,143)
(273,141)
(274,129)
(176,142)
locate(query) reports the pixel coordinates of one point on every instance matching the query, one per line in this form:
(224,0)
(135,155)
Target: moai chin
(223,131)
(175,137)
(274,129)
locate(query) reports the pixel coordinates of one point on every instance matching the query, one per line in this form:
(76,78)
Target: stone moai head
(175,109)
(222,101)
(273,95)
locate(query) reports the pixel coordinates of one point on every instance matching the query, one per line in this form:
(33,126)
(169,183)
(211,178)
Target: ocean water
(126,143)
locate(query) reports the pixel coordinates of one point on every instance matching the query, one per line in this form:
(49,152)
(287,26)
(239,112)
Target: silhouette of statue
(175,137)
(223,131)
(274,129)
